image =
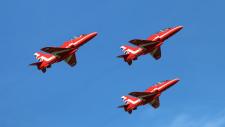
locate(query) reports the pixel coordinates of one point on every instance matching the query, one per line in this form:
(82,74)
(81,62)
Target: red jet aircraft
(65,52)
(149,96)
(149,46)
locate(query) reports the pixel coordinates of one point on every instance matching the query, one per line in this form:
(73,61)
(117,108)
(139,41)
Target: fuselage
(159,37)
(157,89)
(73,43)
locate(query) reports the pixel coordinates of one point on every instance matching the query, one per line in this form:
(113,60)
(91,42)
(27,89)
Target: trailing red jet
(149,96)
(149,46)
(65,52)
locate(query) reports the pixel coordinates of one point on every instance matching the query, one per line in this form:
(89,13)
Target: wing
(57,51)
(71,60)
(155,103)
(142,43)
(156,53)
(142,95)
(53,49)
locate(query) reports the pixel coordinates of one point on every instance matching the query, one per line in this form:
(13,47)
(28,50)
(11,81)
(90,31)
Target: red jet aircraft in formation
(65,52)
(149,46)
(149,96)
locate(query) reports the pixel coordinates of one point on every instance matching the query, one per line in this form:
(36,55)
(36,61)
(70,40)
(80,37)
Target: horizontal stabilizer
(35,64)
(122,106)
(38,66)
(123,56)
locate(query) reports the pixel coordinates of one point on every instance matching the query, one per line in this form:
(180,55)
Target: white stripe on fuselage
(165,34)
(163,86)
(138,100)
(78,41)
(53,57)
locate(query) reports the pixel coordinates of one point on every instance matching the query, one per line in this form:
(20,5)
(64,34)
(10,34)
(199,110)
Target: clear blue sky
(88,94)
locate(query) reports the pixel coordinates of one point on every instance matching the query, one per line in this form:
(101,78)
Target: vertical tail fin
(131,103)
(41,57)
(38,66)
(125,58)
(130,53)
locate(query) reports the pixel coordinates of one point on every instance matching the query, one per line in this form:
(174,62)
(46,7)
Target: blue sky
(88,94)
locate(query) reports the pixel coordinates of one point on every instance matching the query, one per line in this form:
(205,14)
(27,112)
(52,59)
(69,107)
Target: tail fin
(125,58)
(131,103)
(41,57)
(130,53)
(38,66)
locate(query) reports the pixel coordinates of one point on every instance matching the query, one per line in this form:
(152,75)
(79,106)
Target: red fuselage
(157,39)
(49,59)
(160,37)
(133,102)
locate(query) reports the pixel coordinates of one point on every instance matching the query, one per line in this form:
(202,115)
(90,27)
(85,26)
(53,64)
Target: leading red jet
(149,46)
(64,52)
(149,96)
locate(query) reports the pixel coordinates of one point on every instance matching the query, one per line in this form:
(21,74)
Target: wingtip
(120,56)
(133,40)
(121,106)
(131,93)
(43,49)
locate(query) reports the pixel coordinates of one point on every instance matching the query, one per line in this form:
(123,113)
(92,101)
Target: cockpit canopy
(79,36)
(165,29)
(162,82)
(82,35)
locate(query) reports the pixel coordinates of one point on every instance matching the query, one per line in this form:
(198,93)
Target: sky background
(88,94)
